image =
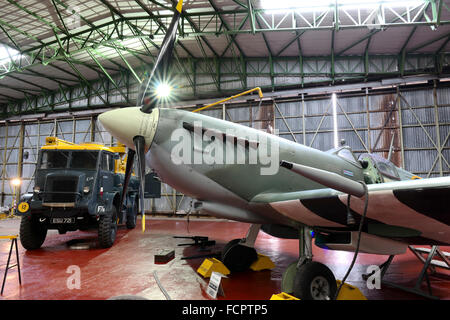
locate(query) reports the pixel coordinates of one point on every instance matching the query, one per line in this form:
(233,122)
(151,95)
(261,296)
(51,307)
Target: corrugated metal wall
(368,121)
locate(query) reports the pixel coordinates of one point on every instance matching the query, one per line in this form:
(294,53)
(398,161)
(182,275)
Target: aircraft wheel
(237,257)
(287,281)
(314,281)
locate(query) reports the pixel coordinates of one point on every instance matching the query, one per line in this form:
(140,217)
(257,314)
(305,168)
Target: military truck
(78,187)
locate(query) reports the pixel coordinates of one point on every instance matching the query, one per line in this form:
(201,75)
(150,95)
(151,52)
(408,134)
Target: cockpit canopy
(347,154)
(376,169)
(384,166)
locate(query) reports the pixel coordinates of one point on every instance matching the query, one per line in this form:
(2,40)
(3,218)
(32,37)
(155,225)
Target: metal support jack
(428,264)
(13,242)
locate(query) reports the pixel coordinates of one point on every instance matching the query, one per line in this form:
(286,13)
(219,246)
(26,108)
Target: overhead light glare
(335,122)
(16,182)
(163,90)
(7,54)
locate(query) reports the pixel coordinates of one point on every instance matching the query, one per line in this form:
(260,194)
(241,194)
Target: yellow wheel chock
(263,263)
(348,292)
(210,265)
(283,296)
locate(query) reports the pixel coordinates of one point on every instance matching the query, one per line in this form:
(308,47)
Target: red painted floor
(128,267)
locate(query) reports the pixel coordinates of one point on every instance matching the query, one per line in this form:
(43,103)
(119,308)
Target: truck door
(107,171)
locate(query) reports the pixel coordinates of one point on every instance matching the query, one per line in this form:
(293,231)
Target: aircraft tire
(314,281)
(287,280)
(32,235)
(237,257)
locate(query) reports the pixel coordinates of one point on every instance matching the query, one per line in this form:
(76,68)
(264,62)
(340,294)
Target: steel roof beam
(192,24)
(108,75)
(298,35)
(251,14)
(228,28)
(427,43)
(162,26)
(21,90)
(241,25)
(7,97)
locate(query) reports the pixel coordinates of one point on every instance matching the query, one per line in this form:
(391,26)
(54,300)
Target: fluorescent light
(335,124)
(282,6)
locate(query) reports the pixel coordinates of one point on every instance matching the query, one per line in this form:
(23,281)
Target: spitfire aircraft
(286,189)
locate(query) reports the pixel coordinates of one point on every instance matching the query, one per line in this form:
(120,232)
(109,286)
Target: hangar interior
(373,73)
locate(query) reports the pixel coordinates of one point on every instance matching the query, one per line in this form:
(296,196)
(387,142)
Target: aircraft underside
(382,234)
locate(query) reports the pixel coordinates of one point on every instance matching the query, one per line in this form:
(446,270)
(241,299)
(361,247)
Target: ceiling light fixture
(282,6)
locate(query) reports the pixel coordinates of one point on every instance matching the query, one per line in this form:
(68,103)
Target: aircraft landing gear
(307,279)
(239,254)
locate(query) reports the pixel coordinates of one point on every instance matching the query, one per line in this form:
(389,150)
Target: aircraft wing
(420,205)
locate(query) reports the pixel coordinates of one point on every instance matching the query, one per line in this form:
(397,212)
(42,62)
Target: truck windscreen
(84,160)
(54,159)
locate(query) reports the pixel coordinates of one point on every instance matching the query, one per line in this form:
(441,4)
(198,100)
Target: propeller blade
(139,143)
(126,181)
(147,97)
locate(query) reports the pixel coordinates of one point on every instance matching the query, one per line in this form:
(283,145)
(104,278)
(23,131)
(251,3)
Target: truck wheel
(132,216)
(107,228)
(32,234)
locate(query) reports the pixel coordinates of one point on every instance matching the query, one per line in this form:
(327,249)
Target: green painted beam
(427,43)
(251,14)
(107,75)
(225,23)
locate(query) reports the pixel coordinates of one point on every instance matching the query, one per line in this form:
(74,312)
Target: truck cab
(78,187)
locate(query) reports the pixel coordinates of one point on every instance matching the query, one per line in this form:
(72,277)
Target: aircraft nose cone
(126,123)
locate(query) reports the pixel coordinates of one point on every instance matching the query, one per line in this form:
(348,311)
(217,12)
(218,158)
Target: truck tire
(132,216)
(32,234)
(107,228)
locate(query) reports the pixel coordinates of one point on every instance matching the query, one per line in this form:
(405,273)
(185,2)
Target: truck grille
(60,189)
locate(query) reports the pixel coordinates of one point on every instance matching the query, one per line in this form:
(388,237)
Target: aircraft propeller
(147,100)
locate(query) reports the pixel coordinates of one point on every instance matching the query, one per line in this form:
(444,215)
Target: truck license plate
(63,220)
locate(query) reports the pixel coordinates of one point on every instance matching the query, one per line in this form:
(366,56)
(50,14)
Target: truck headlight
(86,189)
(36,189)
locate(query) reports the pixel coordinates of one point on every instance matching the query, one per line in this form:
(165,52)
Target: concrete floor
(128,267)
